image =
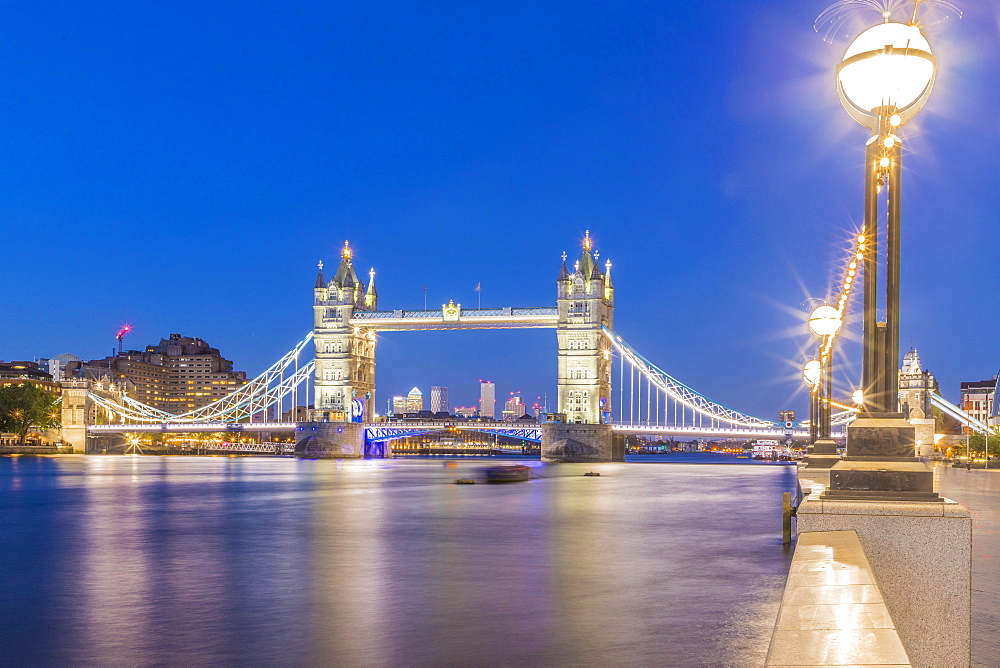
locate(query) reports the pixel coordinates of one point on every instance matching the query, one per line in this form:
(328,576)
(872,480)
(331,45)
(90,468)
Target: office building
(178,374)
(415,401)
(513,408)
(487,399)
(979,399)
(14,373)
(57,365)
(439,399)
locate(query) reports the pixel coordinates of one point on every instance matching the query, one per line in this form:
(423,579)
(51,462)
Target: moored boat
(514,473)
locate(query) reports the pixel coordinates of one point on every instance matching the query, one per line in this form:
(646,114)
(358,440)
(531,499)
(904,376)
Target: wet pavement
(979,491)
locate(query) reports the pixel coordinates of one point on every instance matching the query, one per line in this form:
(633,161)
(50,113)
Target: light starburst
(844,17)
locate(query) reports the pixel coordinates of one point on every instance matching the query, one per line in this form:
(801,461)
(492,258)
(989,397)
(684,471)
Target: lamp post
(824,322)
(885,77)
(811,375)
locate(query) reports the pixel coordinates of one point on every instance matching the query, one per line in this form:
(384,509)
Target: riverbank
(34,450)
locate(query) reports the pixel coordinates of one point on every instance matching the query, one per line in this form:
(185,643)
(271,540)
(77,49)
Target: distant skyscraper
(400,406)
(487,399)
(439,399)
(415,401)
(513,408)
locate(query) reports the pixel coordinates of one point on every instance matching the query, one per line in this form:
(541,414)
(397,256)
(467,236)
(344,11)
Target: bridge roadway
(510,317)
(266,448)
(190,427)
(714,432)
(382,431)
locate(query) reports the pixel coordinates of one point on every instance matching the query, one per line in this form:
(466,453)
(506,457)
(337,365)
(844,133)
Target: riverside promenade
(979,490)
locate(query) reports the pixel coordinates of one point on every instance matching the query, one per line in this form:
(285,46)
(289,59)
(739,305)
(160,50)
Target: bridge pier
(581,443)
(329,440)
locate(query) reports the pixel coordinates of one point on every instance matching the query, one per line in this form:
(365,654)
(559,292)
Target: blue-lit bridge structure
(328,376)
(649,402)
(676,409)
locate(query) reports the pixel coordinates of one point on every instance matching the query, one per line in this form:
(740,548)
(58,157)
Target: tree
(981,443)
(27,405)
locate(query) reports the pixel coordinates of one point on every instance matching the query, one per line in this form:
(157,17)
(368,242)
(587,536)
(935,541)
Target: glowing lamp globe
(811,373)
(888,65)
(825,321)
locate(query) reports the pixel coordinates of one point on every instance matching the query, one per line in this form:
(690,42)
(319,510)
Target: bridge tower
(79,411)
(345,353)
(344,381)
(915,388)
(586,304)
(76,409)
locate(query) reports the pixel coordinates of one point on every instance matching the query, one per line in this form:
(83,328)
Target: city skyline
(724,194)
(538,400)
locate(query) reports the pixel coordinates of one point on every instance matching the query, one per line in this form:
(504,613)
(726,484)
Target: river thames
(173,560)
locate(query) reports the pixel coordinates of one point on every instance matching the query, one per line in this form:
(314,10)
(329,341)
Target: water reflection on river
(144,560)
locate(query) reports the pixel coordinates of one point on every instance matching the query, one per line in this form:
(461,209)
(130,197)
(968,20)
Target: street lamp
(887,68)
(884,78)
(825,322)
(811,373)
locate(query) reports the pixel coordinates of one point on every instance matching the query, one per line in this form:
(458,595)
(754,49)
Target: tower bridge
(606,388)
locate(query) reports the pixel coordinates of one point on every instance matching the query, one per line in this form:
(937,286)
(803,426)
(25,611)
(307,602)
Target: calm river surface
(197,560)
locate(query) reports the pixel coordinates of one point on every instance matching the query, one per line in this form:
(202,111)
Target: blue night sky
(183,166)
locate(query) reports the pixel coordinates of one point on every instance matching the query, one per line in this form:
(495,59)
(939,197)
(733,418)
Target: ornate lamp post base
(822,454)
(880,465)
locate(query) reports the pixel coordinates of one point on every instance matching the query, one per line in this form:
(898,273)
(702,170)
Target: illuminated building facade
(57,365)
(13,373)
(345,354)
(916,385)
(979,399)
(487,399)
(439,399)
(513,408)
(177,375)
(415,401)
(586,304)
